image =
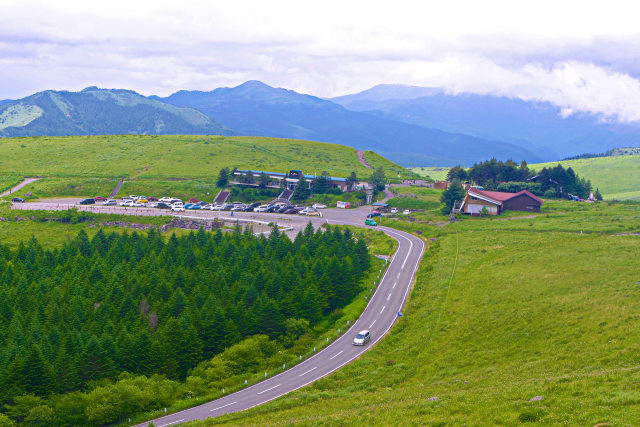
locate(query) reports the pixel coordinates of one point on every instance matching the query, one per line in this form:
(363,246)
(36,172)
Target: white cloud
(581,56)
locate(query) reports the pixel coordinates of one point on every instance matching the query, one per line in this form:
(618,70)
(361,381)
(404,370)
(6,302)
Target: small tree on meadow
(223,178)
(454,193)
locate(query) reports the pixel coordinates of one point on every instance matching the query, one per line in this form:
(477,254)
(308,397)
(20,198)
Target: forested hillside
(94,308)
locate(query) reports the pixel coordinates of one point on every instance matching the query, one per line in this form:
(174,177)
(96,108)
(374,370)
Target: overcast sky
(582,56)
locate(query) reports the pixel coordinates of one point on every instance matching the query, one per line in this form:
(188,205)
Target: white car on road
(362,338)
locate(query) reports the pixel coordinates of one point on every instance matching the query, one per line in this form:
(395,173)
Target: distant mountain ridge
(254,108)
(94,111)
(534,125)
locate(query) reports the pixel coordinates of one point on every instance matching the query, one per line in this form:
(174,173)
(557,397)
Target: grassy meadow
(503,310)
(437,173)
(616,177)
(179,165)
(173,156)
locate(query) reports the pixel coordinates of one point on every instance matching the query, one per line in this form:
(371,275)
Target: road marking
(383,309)
(223,406)
(264,391)
(374,322)
(389,296)
(400,272)
(305,373)
(172,423)
(336,355)
(394,284)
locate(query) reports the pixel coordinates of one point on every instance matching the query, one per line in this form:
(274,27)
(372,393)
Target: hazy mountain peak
(385,92)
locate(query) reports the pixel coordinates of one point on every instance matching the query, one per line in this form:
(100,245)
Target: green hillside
(617,177)
(91,165)
(502,312)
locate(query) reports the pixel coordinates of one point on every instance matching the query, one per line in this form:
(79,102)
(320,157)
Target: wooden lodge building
(496,202)
(291,179)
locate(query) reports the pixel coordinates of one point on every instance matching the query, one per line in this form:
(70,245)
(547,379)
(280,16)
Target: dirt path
(19,186)
(116,189)
(360,154)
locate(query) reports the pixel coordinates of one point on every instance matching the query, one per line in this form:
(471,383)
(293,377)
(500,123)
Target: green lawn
(503,310)
(422,198)
(616,177)
(437,173)
(174,156)
(8,181)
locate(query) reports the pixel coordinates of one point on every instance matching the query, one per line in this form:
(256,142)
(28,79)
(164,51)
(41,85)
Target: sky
(579,55)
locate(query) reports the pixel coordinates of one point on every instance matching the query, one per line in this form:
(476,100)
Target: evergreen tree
(378,180)
(351,181)
(223,178)
(457,172)
(264,180)
(454,193)
(301,191)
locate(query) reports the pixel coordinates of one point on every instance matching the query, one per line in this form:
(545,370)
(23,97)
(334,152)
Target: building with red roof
(496,202)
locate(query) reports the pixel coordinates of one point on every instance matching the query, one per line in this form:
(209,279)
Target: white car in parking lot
(319,206)
(177,207)
(109,202)
(406,212)
(261,208)
(126,203)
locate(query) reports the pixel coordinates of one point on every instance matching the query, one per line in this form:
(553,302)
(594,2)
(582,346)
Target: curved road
(379,316)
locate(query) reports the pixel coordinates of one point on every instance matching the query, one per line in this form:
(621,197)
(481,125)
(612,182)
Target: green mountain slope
(617,177)
(96,111)
(176,156)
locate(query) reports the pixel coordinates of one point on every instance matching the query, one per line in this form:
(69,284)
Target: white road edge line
(374,322)
(383,309)
(336,355)
(269,389)
(305,373)
(172,423)
(223,406)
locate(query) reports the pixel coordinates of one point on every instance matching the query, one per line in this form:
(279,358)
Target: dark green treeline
(145,304)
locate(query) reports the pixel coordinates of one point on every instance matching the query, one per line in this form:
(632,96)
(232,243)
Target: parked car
(137,205)
(261,208)
(374,214)
(238,208)
(142,200)
(285,208)
(17,200)
(99,199)
(110,202)
(218,208)
(369,221)
(274,208)
(362,337)
(177,208)
(193,200)
(192,207)
(319,206)
(126,202)
(207,207)
(227,207)
(251,207)
(88,201)
(313,213)
(166,199)
(394,210)
(188,205)
(174,200)
(162,205)
(406,212)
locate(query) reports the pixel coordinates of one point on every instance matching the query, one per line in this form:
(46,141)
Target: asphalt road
(379,315)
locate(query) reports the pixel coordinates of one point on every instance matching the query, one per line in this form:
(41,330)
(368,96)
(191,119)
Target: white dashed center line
(336,355)
(305,373)
(383,309)
(374,322)
(223,406)
(394,284)
(264,391)
(389,296)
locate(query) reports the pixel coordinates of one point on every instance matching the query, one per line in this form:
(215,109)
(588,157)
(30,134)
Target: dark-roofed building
(496,202)
(293,177)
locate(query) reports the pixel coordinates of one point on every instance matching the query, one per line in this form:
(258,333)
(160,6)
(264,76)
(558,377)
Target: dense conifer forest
(94,308)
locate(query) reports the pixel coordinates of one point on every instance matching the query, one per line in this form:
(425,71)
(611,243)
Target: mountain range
(414,126)
(94,111)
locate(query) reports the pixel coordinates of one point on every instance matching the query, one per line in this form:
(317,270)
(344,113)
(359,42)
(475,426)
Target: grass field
(434,172)
(422,198)
(177,165)
(616,177)
(503,310)
(173,156)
